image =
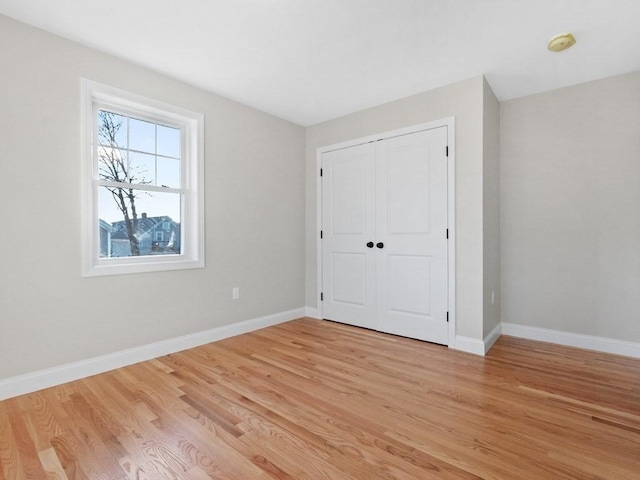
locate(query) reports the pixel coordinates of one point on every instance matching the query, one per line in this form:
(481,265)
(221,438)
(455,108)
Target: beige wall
(491,208)
(254,175)
(570,196)
(463,100)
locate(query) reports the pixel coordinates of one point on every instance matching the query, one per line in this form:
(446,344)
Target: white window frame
(98,96)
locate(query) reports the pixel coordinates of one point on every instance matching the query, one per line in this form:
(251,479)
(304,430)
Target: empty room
(320,239)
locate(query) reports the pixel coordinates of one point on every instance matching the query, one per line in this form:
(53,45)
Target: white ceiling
(312,60)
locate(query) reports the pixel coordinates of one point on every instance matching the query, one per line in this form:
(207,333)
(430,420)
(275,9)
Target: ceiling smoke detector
(561,42)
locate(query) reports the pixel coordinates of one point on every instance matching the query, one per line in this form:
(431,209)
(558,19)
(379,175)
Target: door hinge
(447,317)
(320,233)
(322,298)
(447,150)
(320,172)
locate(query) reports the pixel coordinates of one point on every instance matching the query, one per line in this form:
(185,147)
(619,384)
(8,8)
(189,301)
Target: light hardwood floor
(319,400)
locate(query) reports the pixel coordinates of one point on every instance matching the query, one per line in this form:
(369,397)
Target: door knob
(370,244)
(380,245)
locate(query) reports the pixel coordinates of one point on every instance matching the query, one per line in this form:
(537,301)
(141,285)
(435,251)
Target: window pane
(168,141)
(142,168)
(142,136)
(112,129)
(120,237)
(168,173)
(112,164)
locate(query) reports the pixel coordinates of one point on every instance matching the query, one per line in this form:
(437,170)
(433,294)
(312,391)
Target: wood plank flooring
(319,400)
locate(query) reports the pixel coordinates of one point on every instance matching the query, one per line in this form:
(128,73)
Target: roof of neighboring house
(105,225)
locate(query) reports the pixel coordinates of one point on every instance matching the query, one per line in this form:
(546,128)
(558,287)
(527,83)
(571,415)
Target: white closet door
(411,222)
(348,224)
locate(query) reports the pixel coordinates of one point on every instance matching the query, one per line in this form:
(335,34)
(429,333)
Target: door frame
(448,122)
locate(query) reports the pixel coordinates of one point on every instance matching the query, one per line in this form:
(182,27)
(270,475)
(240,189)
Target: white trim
(468,344)
(319,279)
(590,342)
(451,221)
(492,337)
(448,122)
(475,346)
(31,382)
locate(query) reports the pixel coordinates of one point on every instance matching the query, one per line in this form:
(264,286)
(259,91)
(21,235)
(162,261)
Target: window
(143,174)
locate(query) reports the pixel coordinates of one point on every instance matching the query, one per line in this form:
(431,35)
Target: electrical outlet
(235,293)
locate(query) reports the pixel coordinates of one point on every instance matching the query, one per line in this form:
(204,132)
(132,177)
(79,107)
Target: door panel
(348,223)
(347,285)
(348,195)
(409,284)
(408,202)
(411,221)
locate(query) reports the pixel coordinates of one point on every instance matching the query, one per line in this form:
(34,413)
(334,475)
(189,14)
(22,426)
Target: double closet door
(384,235)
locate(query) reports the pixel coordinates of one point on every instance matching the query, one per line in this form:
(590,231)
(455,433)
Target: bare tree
(114,167)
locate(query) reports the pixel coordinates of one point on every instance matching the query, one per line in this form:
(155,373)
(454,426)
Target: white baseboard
(31,382)
(468,344)
(492,337)
(475,346)
(590,342)
(313,313)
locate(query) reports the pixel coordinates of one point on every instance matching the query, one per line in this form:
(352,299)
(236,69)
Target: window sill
(131,265)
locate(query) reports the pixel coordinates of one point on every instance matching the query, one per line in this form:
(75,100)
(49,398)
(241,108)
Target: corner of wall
(490,208)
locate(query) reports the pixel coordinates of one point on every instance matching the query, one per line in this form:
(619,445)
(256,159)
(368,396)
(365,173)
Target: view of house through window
(139,197)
